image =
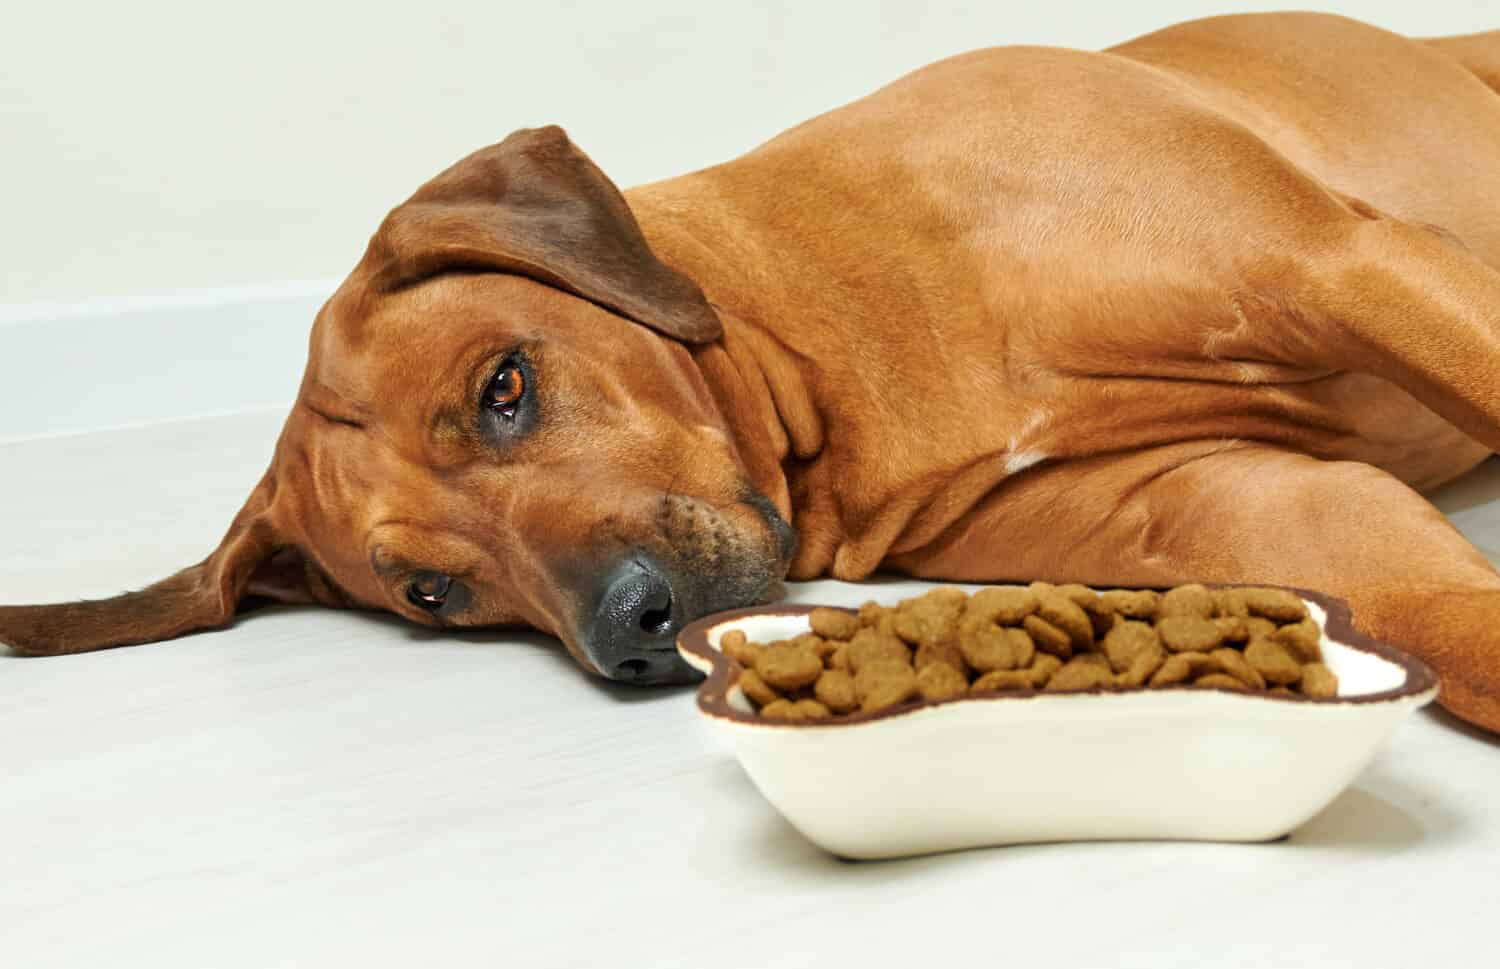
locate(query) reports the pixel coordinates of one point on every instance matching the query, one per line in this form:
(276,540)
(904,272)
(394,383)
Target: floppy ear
(201,597)
(536,206)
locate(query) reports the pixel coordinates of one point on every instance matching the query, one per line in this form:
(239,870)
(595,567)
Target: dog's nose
(635,627)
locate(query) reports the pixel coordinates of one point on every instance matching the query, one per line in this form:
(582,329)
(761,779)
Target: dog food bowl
(1166,763)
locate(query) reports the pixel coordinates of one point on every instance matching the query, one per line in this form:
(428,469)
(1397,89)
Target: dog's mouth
(628,626)
(781,530)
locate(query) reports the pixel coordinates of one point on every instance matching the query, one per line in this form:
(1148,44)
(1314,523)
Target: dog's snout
(639,598)
(633,632)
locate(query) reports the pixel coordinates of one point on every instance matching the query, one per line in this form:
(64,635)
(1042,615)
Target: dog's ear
(250,560)
(536,206)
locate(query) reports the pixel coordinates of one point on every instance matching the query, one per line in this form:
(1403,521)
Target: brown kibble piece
(870,613)
(1187,600)
(1130,603)
(1143,666)
(1080,595)
(813,710)
(883,684)
(833,623)
(997,648)
(825,648)
(939,681)
(1277,605)
(1047,637)
(1221,680)
(787,667)
(1301,639)
(1319,680)
(1068,616)
(807,640)
(1081,673)
(1259,626)
(1183,667)
(781,710)
(1001,605)
(1233,663)
(734,645)
(947,654)
(756,689)
(1042,668)
(1040,588)
(1230,604)
(1185,633)
(839,658)
(1123,642)
(944,598)
(817,645)
(872,646)
(1004,680)
(835,690)
(921,627)
(1272,661)
(1234,629)
(932,618)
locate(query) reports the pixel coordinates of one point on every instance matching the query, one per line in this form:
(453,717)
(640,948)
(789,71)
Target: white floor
(331,789)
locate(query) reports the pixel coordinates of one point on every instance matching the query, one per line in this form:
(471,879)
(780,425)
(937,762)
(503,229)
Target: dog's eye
(506,389)
(429,590)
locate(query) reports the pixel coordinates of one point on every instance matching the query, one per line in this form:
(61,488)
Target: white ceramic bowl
(1183,763)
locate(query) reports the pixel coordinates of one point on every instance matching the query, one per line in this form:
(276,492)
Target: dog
(1215,305)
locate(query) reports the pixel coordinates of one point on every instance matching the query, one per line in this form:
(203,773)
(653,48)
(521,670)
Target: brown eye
(429,590)
(506,389)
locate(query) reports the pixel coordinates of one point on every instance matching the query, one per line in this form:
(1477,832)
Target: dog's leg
(1248,513)
(1410,304)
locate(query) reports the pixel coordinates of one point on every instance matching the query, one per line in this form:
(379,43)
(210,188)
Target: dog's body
(1207,306)
(1090,285)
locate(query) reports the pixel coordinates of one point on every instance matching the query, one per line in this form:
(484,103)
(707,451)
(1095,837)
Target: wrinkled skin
(606,467)
(1214,305)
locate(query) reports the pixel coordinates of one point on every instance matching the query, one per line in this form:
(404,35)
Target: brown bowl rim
(713,693)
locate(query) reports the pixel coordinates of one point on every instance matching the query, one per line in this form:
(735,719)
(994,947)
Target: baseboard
(70,368)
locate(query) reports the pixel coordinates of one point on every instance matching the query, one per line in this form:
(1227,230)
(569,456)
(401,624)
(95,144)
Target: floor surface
(326,789)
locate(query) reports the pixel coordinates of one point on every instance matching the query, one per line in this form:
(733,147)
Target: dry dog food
(1056,638)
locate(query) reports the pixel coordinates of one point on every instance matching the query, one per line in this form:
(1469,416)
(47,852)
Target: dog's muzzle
(629,629)
(633,635)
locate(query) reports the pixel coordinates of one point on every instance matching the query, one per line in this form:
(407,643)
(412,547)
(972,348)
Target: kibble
(833,624)
(884,683)
(947,644)
(835,690)
(787,667)
(939,681)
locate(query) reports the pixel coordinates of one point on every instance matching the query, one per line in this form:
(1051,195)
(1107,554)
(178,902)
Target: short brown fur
(1213,305)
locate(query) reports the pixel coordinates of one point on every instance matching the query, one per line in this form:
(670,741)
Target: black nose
(635,626)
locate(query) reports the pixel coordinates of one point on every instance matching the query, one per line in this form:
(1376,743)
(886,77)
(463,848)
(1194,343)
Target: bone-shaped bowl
(1181,763)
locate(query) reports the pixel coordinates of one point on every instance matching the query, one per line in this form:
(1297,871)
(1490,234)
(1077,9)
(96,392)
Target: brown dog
(1206,306)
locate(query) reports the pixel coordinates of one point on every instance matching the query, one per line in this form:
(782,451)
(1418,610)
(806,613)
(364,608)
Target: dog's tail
(1480,53)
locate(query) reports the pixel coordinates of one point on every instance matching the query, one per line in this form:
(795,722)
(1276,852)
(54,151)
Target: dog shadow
(547,648)
(1448,721)
(1480,486)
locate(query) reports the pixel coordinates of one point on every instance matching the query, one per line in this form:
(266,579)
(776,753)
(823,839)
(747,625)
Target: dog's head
(501,423)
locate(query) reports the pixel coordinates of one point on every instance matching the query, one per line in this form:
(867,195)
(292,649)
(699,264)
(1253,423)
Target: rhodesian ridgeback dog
(1213,305)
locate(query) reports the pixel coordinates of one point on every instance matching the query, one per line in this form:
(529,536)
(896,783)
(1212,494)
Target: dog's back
(1480,53)
(1379,116)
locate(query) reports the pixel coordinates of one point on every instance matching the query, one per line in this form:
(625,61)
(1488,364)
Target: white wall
(155,152)
(155,144)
